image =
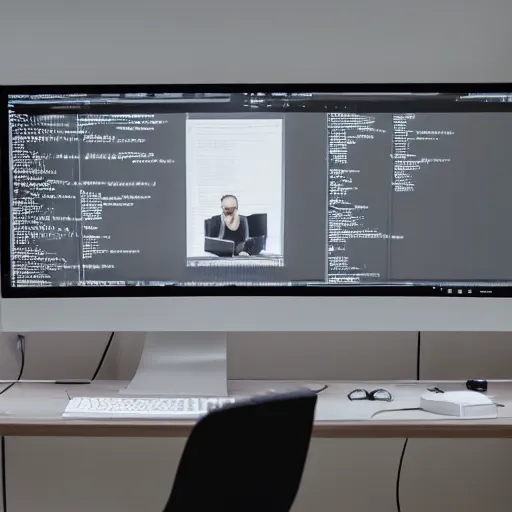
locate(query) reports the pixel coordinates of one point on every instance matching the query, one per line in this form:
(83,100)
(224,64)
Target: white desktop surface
(36,410)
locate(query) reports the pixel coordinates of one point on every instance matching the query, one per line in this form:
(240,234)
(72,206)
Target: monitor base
(181,364)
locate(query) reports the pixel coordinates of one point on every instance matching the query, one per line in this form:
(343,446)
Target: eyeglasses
(376,395)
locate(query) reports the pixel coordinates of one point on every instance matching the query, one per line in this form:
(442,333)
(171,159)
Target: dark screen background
(456,222)
(146,241)
(439,212)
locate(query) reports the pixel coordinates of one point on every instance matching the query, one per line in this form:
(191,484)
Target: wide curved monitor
(256,207)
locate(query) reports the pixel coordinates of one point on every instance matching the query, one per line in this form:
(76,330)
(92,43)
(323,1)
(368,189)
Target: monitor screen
(191,191)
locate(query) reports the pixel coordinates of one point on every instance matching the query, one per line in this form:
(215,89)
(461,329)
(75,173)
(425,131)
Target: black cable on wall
(406,442)
(104,355)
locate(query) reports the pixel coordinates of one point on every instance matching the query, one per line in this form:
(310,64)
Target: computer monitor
(375,207)
(192,211)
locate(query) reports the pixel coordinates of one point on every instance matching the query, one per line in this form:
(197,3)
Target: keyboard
(142,408)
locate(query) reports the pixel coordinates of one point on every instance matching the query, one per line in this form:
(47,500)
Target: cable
(323,388)
(4,479)
(418,356)
(104,355)
(376,413)
(400,463)
(398,507)
(21,348)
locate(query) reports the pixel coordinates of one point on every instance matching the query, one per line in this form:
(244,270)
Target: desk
(36,410)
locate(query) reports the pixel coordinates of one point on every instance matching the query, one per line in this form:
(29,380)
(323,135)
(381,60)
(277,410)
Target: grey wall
(236,40)
(51,41)
(130,475)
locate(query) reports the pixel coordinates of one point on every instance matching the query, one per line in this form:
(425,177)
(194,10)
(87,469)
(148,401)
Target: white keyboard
(154,408)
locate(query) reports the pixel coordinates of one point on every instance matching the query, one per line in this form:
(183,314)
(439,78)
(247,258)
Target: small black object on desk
(477,385)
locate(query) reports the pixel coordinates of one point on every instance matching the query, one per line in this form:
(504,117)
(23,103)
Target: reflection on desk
(36,410)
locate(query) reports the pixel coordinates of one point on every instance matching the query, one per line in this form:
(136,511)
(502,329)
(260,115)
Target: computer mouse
(462,404)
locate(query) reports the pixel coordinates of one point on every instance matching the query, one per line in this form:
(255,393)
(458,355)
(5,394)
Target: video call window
(235,190)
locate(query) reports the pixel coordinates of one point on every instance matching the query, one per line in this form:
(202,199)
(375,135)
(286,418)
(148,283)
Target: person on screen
(232,225)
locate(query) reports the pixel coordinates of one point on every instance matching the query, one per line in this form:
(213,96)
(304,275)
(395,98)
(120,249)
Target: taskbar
(459,289)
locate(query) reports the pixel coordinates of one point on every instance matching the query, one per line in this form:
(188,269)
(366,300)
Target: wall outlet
(20,343)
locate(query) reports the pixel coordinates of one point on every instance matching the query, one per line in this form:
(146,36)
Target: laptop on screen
(219,247)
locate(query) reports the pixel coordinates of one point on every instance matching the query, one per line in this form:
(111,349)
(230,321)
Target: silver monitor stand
(181,364)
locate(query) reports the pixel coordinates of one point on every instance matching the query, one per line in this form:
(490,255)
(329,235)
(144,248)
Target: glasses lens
(358,394)
(382,394)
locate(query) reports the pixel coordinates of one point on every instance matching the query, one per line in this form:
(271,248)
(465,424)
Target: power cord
(400,463)
(21,349)
(104,355)
(398,507)
(418,356)
(4,478)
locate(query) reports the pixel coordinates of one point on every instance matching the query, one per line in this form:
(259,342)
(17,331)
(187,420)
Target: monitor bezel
(355,290)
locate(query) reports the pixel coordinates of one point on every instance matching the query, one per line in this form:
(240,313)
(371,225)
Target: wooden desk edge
(325,430)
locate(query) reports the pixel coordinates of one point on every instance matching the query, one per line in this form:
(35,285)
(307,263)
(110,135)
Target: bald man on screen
(233,226)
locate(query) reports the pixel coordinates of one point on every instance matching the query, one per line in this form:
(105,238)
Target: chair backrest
(246,457)
(208,227)
(257,224)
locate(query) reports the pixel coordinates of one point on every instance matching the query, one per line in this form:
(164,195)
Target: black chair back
(257,224)
(208,227)
(246,457)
